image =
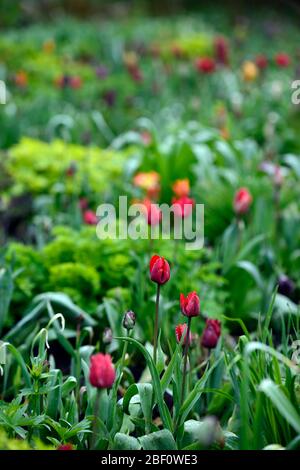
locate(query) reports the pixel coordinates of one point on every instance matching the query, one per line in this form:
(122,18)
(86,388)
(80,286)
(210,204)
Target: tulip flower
(102,371)
(211,334)
(190,305)
(221,50)
(159,270)
(242,201)
(160,274)
(282,59)
(249,71)
(183,206)
(65,447)
(109,97)
(90,218)
(285,285)
(205,65)
(149,182)
(180,330)
(151,211)
(21,79)
(75,82)
(261,61)
(181,188)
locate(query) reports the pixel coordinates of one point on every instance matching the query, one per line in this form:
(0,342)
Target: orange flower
(181,187)
(21,79)
(149,181)
(249,71)
(49,46)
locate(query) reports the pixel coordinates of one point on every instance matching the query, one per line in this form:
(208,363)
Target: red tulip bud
(211,334)
(102,371)
(190,305)
(65,447)
(159,270)
(90,218)
(180,330)
(242,201)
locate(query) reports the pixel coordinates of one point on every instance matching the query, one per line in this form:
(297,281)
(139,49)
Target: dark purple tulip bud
(285,285)
(109,97)
(129,320)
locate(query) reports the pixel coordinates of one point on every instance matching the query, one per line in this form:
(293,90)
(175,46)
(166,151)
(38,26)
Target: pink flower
(242,201)
(90,217)
(190,305)
(211,334)
(183,206)
(102,371)
(159,270)
(75,82)
(282,59)
(180,330)
(151,211)
(205,65)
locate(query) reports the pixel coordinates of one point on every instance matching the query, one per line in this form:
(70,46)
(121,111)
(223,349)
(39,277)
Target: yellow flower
(249,71)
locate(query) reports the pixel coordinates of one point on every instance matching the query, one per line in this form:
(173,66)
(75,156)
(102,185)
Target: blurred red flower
(211,334)
(102,371)
(242,201)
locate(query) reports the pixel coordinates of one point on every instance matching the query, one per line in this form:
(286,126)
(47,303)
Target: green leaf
(164,412)
(125,442)
(160,440)
(281,402)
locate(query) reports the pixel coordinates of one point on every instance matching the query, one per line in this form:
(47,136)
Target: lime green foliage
(38,166)
(7,443)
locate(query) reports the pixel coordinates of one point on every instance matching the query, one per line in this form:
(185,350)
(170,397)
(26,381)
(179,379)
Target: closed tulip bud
(159,270)
(242,201)
(190,305)
(129,320)
(102,371)
(211,334)
(285,285)
(179,331)
(107,336)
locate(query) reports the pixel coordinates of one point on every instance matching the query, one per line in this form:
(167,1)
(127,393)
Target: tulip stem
(95,422)
(185,357)
(156,324)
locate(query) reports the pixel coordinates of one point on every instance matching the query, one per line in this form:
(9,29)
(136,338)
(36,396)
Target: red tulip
(261,61)
(221,50)
(190,305)
(152,212)
(159,270)
(282,59)
(90,217)
(211,334)
(242,201)
(102,371)
(183,206)
(180,330)
(65,447)
(205,65)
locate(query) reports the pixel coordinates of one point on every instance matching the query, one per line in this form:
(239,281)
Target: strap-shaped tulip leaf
(163,409)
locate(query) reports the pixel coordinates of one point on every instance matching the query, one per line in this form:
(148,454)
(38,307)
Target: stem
(186,348)
(95,424)
(156,324)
